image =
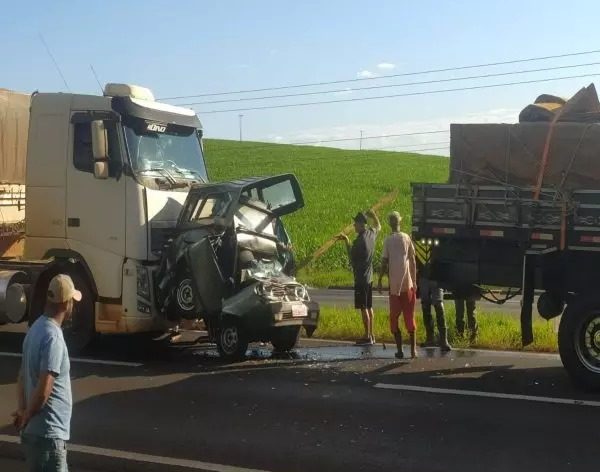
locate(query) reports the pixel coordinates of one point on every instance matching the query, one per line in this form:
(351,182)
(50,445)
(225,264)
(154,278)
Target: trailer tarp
(14,127)
(496,154)
(561,142)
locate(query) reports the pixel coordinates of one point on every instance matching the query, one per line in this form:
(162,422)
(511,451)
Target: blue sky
(192,47)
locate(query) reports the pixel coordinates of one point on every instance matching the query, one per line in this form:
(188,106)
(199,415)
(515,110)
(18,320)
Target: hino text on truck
(113,190)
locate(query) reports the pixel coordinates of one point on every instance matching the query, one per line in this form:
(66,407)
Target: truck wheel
(80,330)
(579,343)
(285,339)
(232,341)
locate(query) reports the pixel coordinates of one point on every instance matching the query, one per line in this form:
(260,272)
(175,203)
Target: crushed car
(230,263)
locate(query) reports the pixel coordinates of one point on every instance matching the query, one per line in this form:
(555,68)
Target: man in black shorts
(361,257)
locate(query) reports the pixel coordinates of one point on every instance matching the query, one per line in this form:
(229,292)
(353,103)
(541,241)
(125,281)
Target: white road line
(83,360)
(135,456)
(476,393)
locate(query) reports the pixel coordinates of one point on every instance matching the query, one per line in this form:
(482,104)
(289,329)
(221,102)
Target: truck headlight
(143,282)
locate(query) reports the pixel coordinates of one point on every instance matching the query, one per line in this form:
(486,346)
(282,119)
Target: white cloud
(386,66)
(365,74)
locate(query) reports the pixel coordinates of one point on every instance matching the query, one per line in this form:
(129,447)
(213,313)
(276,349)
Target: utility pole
(240,116)
(360,143)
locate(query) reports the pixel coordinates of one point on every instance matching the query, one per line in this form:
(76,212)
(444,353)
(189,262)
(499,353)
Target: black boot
(473,328)
(428,323)
(442,328)
(460,317)
(443,341)
(398,339)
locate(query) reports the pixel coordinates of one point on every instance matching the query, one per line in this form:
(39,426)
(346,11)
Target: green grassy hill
(336,184)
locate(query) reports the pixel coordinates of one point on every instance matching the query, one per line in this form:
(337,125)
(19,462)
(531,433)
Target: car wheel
(232,341)
(183,302)
(285,339)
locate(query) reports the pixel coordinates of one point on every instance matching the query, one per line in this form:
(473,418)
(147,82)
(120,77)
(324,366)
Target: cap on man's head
(394,218)
(62,289)
(360,218)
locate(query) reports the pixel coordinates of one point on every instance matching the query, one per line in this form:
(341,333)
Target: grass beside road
(336,184)
(496,330)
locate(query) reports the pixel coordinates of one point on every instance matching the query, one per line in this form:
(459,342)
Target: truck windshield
(169,151)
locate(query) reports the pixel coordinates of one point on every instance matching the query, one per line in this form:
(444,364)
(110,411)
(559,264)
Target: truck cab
(106,178)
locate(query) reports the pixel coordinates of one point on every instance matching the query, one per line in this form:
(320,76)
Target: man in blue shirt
(44,386)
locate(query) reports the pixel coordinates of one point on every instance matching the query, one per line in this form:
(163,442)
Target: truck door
(96,207)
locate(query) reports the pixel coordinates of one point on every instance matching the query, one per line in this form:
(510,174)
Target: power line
(410,94)
(403,147)
(405,84)
(405,74)
(322,141)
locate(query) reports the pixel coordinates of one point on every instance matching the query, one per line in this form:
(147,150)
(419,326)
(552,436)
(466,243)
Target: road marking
(139,457)
(84,361)
(476,393)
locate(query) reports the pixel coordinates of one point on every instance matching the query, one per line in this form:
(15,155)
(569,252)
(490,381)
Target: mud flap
(207,278)
(527,300)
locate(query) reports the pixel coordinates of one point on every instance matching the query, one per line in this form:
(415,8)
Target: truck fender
(62,264)
(74,261)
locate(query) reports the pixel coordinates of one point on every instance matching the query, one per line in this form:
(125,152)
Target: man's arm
(384,264)
(412,263)
(50,367)
(21,402)
(376,223)
(41,394)
(344,237)
(382,271)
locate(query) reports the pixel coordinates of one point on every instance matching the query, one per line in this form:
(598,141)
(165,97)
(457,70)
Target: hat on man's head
(62,289)
(395,217)
(360,218)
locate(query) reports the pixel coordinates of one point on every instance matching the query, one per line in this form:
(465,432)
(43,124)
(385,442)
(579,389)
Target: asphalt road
(345,298)
(328,407)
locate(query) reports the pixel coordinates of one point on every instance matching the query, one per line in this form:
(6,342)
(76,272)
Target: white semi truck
(99,181)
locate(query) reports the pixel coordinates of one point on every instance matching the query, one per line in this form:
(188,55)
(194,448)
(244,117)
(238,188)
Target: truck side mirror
(100,149)
(101,169)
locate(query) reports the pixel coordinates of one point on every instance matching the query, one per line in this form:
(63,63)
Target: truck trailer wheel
(285,339)
(232,341)
(579,343)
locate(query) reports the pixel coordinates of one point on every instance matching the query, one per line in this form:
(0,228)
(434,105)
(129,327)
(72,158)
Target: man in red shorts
(398,262)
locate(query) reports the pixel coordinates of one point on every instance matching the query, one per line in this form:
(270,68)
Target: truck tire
(579,343)
(232,340)
(285,339)
(80,330)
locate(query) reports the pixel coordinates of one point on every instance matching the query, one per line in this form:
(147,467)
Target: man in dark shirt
(361,257)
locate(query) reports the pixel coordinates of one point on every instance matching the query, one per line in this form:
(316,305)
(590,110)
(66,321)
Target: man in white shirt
(398,262)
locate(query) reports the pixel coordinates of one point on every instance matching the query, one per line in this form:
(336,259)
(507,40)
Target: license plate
(299,311)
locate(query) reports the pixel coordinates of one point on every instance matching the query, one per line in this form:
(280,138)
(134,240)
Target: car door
(206,275)
(281,194)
